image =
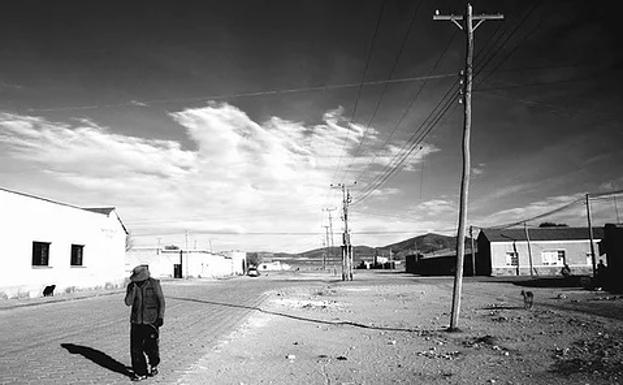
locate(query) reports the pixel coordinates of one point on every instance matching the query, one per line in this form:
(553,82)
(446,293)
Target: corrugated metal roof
(542,234)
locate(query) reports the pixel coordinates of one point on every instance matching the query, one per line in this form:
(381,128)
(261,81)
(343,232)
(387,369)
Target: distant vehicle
(252,272)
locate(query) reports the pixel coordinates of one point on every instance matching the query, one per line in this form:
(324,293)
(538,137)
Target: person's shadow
(100,358)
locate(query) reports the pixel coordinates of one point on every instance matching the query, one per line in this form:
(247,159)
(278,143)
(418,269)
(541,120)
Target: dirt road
(391,328)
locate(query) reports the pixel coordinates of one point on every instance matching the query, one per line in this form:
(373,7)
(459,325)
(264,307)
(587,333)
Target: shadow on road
(574,281)
(502,308)
(299,318)
(100,358)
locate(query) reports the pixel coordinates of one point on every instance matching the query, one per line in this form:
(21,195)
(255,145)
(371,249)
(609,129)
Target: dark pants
(144,342)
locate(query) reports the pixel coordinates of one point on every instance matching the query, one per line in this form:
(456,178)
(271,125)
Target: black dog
(528,299)
(49,291)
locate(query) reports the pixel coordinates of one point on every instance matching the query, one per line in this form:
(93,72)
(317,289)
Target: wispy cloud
(240,175)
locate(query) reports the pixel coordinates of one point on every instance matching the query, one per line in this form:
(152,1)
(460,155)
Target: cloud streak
(240,174)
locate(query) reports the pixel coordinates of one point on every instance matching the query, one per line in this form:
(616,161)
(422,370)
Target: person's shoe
(153,371)
(136,377)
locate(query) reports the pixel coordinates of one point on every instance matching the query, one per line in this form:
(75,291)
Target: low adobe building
(46,243)
(186,263)
(504,252)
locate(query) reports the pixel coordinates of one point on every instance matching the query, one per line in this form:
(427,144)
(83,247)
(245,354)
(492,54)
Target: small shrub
(70,289)
(3,295)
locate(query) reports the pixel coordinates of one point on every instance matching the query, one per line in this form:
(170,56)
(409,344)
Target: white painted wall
(273,266)
(195,263)
(25,219)
(238,259)
(577,253)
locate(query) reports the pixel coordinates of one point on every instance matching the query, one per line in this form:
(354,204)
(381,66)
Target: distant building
(508,252)
(187,263)
(439,262)
(273,266)
(47,243)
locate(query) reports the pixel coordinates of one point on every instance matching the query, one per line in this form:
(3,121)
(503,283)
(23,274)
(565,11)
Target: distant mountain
(423,244)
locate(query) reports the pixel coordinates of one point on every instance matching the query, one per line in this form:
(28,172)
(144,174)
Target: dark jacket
(147,301)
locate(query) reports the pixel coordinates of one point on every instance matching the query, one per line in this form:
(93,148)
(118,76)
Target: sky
(223,125)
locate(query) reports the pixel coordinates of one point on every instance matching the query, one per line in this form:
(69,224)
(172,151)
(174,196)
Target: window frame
(38,258)
(75,246)
(510,255)
(553,257)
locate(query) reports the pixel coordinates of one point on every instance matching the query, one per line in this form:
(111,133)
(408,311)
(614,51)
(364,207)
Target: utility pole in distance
(328,210)
(326,251)
(468,27)
(347,249)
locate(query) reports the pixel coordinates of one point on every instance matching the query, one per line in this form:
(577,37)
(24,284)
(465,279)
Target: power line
(363,78)
(517,44)
(273,92)
(276,233)
(390,170)
(386,86)
(405,113)
(425,127)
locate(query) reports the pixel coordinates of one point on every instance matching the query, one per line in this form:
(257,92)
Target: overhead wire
(388,172)
(359,91)
(405,112)
(273,92)
(389,77)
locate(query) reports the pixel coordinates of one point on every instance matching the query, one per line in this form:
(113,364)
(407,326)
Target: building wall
(239,261)
(160,262)
(273,266)
(577,256)
(195,263)
(26,219)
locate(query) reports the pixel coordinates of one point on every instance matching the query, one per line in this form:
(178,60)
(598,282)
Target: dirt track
(390,328)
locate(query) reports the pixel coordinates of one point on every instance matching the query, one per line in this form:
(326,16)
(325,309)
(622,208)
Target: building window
(512,258)
(553,257)
(40,253)
(76,255)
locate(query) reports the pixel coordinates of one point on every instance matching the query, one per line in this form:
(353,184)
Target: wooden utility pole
(326,252)
(525,229)
(468,27)
(347,249)
(590,233)
(332,245)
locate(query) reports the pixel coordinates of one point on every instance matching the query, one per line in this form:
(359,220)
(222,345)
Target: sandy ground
(393,331)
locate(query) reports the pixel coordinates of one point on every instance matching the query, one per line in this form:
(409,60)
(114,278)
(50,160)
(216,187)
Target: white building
(48,243)
(273,266)
(544,250)
(191,263)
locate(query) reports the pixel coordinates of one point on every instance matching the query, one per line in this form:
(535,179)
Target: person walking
(145,296)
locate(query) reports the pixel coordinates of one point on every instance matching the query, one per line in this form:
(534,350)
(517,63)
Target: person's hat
(140,273)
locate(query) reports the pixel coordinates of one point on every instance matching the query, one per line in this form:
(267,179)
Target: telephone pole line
(468,27)
(332,245)
(347,249)
(325,256)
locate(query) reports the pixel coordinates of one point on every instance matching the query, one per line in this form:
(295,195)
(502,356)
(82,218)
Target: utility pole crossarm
(480,18)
